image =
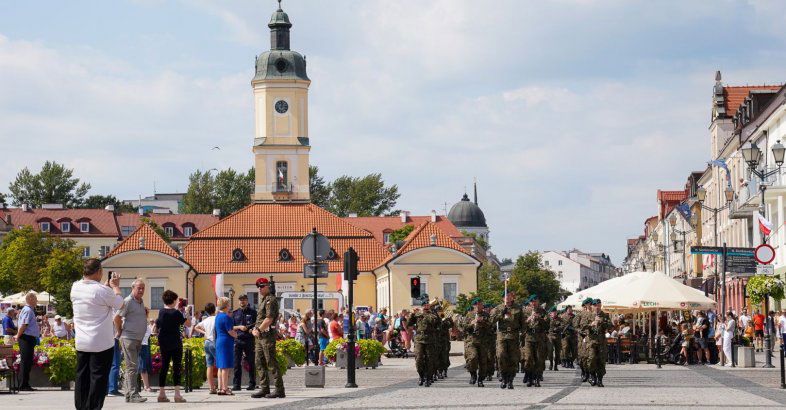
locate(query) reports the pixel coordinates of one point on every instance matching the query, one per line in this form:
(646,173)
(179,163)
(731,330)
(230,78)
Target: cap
(262,282)
(57,317)
(243,296)
(425,303)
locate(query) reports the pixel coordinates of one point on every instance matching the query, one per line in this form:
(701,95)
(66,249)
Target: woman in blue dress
(225,346)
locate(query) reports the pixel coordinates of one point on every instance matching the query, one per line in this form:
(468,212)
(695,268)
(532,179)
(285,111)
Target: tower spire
(279,29)
(475,187)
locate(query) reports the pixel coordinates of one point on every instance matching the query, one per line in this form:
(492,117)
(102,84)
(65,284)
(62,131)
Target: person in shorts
(758,330)
(207,328)
(324,337)
(145,360)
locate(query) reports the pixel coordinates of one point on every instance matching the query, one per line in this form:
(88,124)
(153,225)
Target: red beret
(262,282)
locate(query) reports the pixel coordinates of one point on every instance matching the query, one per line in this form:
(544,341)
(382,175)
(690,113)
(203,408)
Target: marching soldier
(568,338)
(598,348)
(426,324)
(508,319)
(446,325)
(535,327)
(490,346)
(265,333)
(556,327)
(581,324)
(476,326)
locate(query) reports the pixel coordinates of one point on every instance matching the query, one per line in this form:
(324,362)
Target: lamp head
(752,155)
(673,220)
(778,152)
(701,194)
(729,194)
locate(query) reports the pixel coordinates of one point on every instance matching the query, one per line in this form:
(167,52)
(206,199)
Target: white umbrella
(14,298)
(650,291)
(600,291)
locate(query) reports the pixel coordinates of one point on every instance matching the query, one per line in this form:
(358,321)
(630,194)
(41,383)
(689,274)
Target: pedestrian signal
(414,287)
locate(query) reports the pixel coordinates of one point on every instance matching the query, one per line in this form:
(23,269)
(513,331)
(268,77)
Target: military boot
(551,365)
(503,382)
(584,376)
(538,379)
(510,382)
(480,382)
(599,383)
(261,393)
(530,379)
(592,379)
(278,394)
(473,377)
(490,377)
(422,379)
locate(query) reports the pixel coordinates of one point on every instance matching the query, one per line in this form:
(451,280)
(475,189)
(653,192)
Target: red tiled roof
(421,238)
(377,225)
(153,242)
(102,222)
(678,196)
(262,230)
(199,221)
(735,95)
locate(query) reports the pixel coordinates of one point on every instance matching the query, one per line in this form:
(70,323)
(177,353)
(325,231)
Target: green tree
(478,239)
(2,198)
(232,190)
(367,196)
(159,230)
(54,184)
(63,268)
(199,196)
(101,201)
(490,284)
(319,189)
(530,277)
(401,233)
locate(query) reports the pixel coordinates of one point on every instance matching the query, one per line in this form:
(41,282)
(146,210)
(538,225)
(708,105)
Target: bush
(370,351)
(56,356)
(332,347)
(293,349)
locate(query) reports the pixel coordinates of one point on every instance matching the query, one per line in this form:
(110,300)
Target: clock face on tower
(281,106)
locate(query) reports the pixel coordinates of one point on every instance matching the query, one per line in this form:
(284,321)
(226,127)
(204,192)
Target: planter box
(342,358)
(315,376)
(745,357)
(40,379)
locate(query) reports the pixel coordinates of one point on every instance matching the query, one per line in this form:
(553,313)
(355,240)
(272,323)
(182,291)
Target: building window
(386,237)
(450,292)
(125,291)
(45,226)
(289,304)
(332,255)
(188,231)
(103,251)
(281,176)
(559,262)
(155,297)
(65,227)
(126,230)
(84,227)
(284,255)
(253,299)
(238,255)
(86,252)
(170,231)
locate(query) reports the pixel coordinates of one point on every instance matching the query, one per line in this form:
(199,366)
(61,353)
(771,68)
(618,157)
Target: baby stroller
(396,346)
(672,352)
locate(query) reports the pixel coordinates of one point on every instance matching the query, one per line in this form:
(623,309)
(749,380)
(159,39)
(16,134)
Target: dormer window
(169,231)
(238,255)
(45,226)
(84,227)
(332,255)
(386,237)
(284,255)
(65,227)
(188,231)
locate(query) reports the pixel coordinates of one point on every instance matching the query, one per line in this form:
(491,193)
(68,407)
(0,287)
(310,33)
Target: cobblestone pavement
(393,386)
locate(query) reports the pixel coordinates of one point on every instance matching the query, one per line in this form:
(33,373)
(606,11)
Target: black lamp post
(701,196)
(752,156)
(675,232)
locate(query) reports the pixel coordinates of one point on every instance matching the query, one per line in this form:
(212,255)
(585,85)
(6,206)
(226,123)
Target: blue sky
(570,113)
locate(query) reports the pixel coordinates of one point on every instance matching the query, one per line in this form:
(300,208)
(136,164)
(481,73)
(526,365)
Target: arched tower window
(282,176)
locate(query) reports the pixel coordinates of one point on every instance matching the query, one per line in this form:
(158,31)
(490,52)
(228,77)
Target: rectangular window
(386,237)
(450,292)
(423,291)
(289,304)
(125,292)
(559,262)
(104,250)
(44,226)
(169,231)
(281,176)
(188,230)
(86,252)
(65,227)
(253,299)
(155,297)
(126,230)
(84,227)
(547,263)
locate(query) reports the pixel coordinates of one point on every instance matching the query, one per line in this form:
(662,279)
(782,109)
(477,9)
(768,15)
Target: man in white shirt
(744,319)
(94,305)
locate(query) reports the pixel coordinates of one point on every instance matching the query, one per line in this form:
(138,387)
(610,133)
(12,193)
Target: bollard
(657,351)
(189,368)
(733,361)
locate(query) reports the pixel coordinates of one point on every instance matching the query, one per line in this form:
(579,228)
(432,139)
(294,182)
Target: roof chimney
(404,215)
(110,208)
(25,207)
(217,213)
(433,216)
(353,215)
(433,239)
(52,206)
(141,210)
(141,242)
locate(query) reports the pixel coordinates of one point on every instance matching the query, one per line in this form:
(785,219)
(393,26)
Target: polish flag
(218,284)
(708,262)
(339,280)
(765,226)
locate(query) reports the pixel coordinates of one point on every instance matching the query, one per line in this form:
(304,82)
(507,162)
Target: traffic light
(351,264)
(414,287)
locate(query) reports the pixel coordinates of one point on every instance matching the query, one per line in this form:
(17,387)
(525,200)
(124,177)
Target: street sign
(741,260)
(764,254)
(315,270)
(768,270)
(505,276)
(315,247)
(706,250)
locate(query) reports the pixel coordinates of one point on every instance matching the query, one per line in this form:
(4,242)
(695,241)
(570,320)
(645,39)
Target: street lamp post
(752,156)
(675,232)
(701,196)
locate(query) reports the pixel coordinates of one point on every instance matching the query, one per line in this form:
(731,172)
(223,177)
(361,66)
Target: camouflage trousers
(266,364)
(490,350)
(554,348)
(569,347)
(444,356)
(597,355)
(531,355)
(426,355)
(476,358)
(508,356)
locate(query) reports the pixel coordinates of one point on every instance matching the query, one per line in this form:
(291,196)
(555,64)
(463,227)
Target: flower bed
(53,357)
(368,351)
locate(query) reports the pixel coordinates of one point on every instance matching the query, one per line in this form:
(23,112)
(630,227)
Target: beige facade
(445,273)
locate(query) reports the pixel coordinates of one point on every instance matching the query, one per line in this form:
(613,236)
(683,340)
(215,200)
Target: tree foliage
(478,239)
(760,286)
(159,230)
(31,260)
(54,184)
(530,277)
(318,187)
(401,233)
(228,191)
(101,201)
(366,196)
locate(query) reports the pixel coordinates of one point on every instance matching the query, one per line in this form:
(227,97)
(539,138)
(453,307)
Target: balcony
(747,200)
(281,190)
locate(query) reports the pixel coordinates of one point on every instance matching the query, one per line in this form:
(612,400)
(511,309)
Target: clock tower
(281,145)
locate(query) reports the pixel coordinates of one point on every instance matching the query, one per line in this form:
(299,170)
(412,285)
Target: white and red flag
(765,226)
(218,284)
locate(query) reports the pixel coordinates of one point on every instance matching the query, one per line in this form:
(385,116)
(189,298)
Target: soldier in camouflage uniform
(490,346)
(446,324)
(507,318)
(597,346)
(265,332)
(476,325)
(533,352)
(581,324)
(556,327)
(426,324)
(568,338)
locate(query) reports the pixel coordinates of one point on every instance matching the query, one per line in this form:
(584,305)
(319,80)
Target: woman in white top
(720,329)
(728,335)
(60,328)
(207,328)
(145,361)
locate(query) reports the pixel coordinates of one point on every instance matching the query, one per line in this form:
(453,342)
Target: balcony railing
(282,188)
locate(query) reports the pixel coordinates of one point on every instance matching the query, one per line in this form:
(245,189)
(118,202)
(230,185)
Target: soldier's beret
(587,301)
(596,302)
(552,309)
(533,297)
(475,301)
(488,305)
(262,282)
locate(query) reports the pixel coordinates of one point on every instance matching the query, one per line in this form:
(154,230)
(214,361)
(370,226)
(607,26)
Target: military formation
(512,338)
